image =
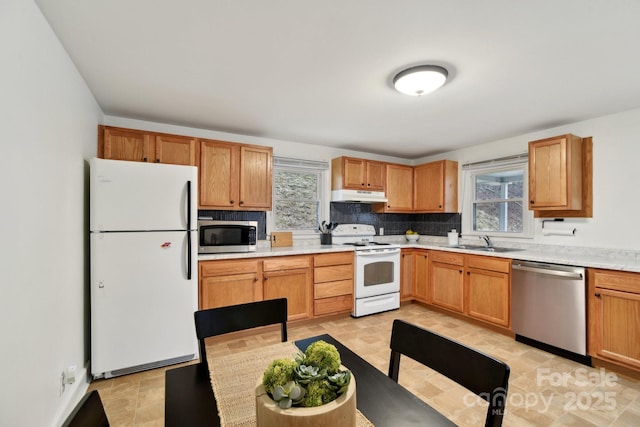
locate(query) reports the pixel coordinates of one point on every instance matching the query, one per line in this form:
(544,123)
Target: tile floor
(544,390)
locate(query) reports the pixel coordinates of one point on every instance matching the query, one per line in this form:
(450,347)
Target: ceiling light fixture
(420,80)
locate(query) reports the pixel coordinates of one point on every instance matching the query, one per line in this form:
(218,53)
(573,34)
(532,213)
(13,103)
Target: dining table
(221,392)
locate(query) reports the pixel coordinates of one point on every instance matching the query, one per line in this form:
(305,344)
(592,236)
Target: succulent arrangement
(312,379)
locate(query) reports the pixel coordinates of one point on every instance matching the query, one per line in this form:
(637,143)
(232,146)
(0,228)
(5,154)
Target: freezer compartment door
(142,303)
(137,196)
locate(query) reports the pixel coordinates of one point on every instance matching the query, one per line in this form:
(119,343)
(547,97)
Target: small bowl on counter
(412,237)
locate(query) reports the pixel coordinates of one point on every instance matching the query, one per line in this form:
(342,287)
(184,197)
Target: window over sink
(299,203)
(494,198)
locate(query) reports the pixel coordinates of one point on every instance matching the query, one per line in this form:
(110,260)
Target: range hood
(358,196)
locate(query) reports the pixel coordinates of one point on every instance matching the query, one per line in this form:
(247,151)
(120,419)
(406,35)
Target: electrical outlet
(63,381)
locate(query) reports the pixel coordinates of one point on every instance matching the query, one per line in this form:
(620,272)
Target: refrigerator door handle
(188,230)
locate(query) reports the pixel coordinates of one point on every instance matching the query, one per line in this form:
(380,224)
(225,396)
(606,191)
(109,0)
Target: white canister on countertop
(453,237)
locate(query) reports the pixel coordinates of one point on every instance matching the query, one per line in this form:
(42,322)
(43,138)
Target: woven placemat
(234,378)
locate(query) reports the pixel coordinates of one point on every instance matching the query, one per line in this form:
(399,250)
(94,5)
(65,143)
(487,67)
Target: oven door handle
(384,252)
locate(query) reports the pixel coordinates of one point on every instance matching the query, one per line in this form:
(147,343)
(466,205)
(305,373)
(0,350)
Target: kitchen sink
(485,248)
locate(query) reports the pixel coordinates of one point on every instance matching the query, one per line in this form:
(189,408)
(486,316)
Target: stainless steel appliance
(377,269)
(549,308)
(226,236)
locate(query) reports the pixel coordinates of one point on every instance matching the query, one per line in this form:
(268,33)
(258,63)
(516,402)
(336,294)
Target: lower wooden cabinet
(614,317)
(488,287)
(290,278)
(229,282)
(332,283)
(406,274)
(421,289)
(447,280)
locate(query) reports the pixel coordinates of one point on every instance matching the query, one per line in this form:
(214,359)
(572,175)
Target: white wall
(48,120)
(616,176)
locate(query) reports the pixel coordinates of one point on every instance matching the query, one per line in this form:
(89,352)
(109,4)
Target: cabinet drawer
(447,257)
(222,268)
(333,259)
(489,263)
(332,289)
(286,263)
(333,273)
(619,281)
(333,305)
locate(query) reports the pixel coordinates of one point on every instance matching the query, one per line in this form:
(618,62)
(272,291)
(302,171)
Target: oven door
(377,272)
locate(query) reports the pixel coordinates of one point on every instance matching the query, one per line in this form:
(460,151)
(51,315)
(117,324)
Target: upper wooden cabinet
(235,176)
(435,187)
(357,174)
(399,185)
(555,173)
(141,146)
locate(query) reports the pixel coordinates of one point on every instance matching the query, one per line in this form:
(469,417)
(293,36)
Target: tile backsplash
(434,224)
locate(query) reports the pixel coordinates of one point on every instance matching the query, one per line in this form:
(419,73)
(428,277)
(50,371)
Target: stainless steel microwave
(226,236)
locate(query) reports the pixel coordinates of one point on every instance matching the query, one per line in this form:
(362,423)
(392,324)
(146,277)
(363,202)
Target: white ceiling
(320,72)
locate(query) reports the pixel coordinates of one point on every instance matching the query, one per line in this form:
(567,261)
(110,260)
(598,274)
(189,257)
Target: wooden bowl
(339,413)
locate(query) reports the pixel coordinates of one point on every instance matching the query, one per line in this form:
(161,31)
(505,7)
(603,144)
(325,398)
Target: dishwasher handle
(548,272)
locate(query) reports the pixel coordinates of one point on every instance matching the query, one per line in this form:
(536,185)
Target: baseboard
(72,394)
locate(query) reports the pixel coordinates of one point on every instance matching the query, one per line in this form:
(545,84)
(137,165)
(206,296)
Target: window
(298,195)
(494,203)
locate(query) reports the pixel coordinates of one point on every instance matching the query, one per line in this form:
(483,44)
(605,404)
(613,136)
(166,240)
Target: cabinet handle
(368,185)
(389,206)
(157,160)
(468,273)
(532,201)
(265,278)
(597,295)
(144,159)
(241,201)
(255,279)
(362,184)
(230,202)
(440,206)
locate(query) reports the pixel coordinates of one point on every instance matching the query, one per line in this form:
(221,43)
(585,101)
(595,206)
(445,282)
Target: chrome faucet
(487,239)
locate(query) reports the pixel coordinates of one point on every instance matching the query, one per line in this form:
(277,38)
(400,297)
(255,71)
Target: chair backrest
(89,412)
(480,373)
(223,320)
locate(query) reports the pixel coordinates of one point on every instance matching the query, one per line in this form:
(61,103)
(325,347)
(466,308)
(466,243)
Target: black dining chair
(89,412)
(189,399)
(478,372)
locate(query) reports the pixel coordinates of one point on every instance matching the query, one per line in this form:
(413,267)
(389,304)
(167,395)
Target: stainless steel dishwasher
(549,308)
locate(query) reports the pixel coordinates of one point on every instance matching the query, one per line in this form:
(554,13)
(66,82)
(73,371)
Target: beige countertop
(612,259)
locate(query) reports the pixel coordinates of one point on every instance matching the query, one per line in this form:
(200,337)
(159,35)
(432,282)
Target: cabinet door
(255,178)
(447,286)
(125,144)
(555,173)
(375,176)
(295,286)
(488,296)
(227,290)
(399,188)
(354,173)
(421,290)
(616,334)
(435,187)
(218,174)
(406,274)
(176,150)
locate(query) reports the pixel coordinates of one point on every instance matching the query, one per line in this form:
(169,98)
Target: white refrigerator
(144,278)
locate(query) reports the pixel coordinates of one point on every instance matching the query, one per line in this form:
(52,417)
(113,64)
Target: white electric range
(377,269)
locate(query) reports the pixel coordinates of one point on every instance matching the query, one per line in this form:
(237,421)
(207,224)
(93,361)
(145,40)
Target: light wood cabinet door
(229,282)
(333,283)
(256,166)
(447,285)
(176,150)
(294,285)
(555,173)
(489,296)
(125,144)
(399,190)
(406,274)
(435,187)
(357,174)
(375,176)
(421,289)
(218,171)
(614,317)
